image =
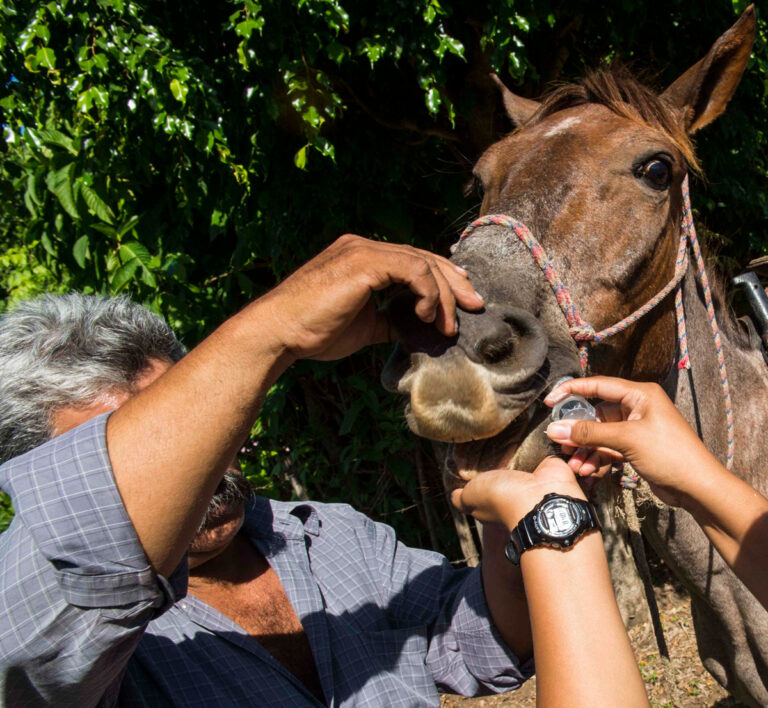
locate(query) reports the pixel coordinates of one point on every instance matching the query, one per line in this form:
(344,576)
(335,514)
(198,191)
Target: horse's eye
(656,173)
(479,189)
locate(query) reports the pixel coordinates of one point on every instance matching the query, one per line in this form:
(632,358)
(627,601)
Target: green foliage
(192,154)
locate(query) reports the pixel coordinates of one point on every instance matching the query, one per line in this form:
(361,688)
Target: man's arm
(171,443)
(75,592)
(505,592)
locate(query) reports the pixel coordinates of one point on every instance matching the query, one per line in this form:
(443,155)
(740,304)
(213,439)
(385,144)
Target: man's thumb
(588,433)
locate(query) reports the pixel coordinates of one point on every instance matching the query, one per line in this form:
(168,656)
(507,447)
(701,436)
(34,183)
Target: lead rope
(583,333)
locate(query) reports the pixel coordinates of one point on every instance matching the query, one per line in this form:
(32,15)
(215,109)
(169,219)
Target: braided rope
(689,228)
(583,333)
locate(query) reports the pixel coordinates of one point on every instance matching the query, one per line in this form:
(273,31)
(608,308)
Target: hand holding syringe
(573,406)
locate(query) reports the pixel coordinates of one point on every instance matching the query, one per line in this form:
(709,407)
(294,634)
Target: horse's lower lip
(469,456)
(474,455)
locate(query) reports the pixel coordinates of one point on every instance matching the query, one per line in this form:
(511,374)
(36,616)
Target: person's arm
(170,444)
(581,649)
(504,592)
(76,591)
(642,426)
(104,517)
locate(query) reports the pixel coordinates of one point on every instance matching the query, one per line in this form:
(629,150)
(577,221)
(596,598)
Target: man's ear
(702,93)
(519,109)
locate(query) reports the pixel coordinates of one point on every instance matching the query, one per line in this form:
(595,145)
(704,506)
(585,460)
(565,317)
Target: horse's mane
(618,90)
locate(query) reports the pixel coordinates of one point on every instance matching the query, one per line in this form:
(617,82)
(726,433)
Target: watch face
(557,518)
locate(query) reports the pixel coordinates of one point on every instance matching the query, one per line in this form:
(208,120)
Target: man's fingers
(463,291)
(437,283)
(446,310)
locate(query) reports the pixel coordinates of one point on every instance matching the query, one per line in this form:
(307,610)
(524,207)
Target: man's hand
(640,425)
(505,496)
(325,309)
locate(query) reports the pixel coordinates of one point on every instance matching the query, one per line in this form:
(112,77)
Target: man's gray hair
(67,350)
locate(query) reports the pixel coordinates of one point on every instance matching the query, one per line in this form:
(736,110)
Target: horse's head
(595,172)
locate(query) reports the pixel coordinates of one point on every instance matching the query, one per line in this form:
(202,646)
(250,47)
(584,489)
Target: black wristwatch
(557,521)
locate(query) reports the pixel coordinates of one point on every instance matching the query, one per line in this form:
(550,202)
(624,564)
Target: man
(288,603)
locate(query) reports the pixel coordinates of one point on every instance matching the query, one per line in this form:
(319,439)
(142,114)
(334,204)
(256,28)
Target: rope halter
(584,333)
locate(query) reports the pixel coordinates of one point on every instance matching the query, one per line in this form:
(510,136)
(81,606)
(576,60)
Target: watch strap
(526,536)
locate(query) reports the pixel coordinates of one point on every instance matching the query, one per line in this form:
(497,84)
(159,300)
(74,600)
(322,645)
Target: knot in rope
(584,333)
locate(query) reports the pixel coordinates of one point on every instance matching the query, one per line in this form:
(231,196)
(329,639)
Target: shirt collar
(265,518)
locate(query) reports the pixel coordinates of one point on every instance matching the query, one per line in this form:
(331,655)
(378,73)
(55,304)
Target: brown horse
(595,172)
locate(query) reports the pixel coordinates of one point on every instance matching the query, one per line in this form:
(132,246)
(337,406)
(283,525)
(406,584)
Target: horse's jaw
(522,445)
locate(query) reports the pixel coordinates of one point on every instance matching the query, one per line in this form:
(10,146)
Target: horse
(596,170)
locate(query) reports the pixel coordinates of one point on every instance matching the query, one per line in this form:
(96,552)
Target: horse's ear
(703,91)
(519,109)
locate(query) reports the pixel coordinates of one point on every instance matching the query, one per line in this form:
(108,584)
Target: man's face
(224,515)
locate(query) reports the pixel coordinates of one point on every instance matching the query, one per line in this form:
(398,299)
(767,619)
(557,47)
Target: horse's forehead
(562,125)
(593,125)
(585,121)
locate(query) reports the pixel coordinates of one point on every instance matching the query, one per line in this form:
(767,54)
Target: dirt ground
(680,683)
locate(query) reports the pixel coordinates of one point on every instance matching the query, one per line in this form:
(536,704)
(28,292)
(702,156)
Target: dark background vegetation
(191,154)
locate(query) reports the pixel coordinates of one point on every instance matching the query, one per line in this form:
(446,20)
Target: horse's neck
(698,393)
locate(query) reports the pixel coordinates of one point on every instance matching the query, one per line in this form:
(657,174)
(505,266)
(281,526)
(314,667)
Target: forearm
(576,624)
(505,593)
(170,444)
(734,517)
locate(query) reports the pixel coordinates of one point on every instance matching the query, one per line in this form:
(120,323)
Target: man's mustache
(233,490)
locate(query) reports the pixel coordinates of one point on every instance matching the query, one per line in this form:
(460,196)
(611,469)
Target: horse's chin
(522,445)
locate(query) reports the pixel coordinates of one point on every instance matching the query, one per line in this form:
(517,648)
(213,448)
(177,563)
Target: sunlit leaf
(135,250)
(60,182)
(179,90)
(80,251)
(96,205)
(300,158)
(123,275)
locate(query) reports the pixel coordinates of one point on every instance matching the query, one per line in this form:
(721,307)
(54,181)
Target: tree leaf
(127,226)
(80,251)
(32,189)
(45,239)
(55,137)
(106,229)
(300,158)
(96,204)
(123,275)
(135,250)
(148,277)
(179,90)
(60,183)
(46,57)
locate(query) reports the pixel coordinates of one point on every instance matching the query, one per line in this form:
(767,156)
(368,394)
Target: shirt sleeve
(77,591)
(466,654)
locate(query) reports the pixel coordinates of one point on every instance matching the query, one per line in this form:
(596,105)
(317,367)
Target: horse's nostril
(498,346)
(506,338)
